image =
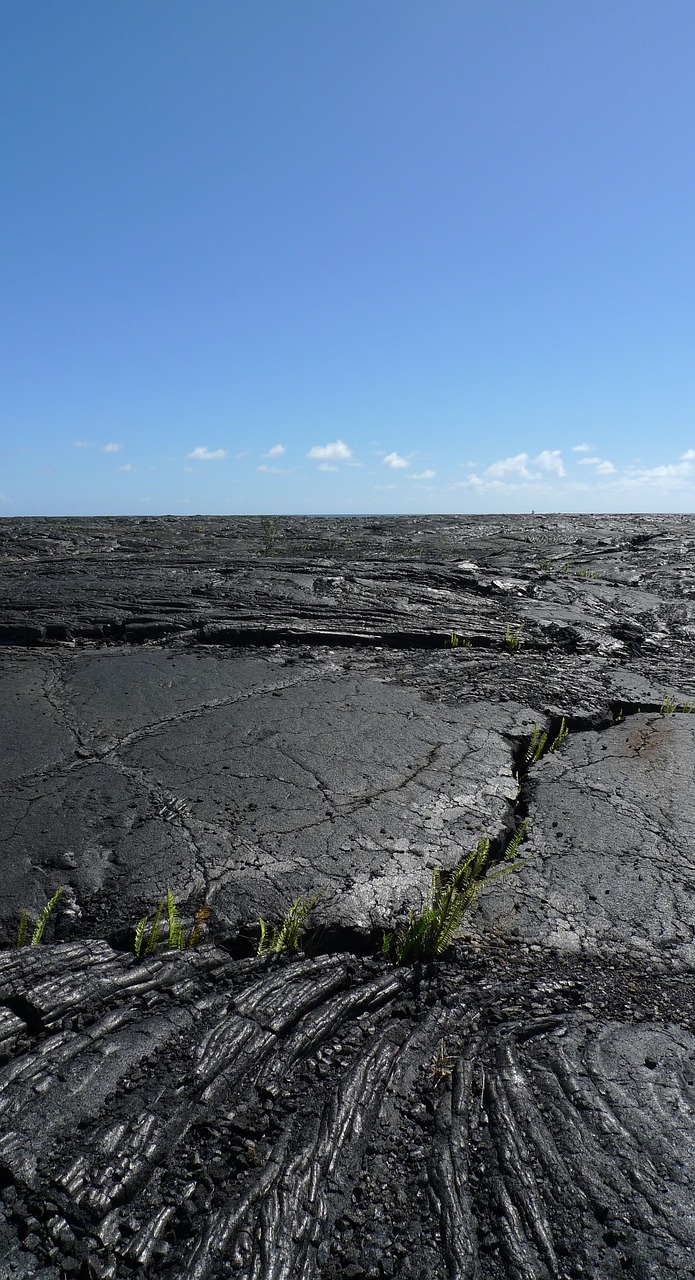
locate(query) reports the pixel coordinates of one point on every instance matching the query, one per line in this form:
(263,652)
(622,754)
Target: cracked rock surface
(248,711)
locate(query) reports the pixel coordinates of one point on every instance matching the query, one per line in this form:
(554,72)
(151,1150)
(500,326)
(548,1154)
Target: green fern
(154,931)
(536,746)
(43,919)
(539,746)
(288,934)
(140,934)
(176,937)
(512,638)
(426,935)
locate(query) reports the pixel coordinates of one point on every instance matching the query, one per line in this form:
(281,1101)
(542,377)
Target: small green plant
(286,936)
(668,707)
(618,716)
(39,927)
(453,640)
(426,935)
(146,944)
(512,638)
(386,939)
(539,746)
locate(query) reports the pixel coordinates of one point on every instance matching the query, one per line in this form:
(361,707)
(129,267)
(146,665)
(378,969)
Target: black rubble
(247,711)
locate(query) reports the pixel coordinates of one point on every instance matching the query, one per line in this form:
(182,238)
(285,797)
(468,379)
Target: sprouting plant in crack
(512,638)
(287,935)
(425,935)
(668,706)
(146,943)
(539,746)
(39,927)
(453,640)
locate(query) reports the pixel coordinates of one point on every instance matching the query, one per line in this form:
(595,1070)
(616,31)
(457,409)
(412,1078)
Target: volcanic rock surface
(248,711)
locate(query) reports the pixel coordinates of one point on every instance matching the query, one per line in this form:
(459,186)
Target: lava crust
(249,711)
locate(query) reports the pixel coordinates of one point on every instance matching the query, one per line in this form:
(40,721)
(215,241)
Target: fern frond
(43,919)
(140,934)
(518,837)
(154,931)
(562,733)
(177,938)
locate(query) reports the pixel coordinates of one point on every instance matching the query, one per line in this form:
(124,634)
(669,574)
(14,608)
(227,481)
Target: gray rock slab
(243,781)
(610,863)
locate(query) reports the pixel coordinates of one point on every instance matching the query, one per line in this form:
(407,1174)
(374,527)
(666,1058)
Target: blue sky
(347,256)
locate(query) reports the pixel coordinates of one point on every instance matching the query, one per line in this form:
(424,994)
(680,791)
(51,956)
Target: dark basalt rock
(245,711)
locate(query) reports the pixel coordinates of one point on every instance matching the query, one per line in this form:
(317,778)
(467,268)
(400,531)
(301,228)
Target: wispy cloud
(667,475)
(395,461)
(274,471)
(82,444)
(127,466)
(337,451)
(275,452)
(203,454)
(4,497)
(423,475)
(327,466)
(111,448)
(583,448)
(519,466)
(602,466)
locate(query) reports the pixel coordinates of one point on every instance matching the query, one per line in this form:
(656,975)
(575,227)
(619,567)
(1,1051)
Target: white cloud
(4,497)
(394,460)
(239,456)
(272,471)
(203,454)
(515,466)
(82,444)
(688,455)
(111,448)
(275,452)
(326,466)
(582,448)
(602,465)
(550,460)
(334,452)
(127,466)
(382,488)
(518,466)
(424,475)
(667,471)
(189,469)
